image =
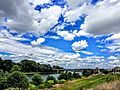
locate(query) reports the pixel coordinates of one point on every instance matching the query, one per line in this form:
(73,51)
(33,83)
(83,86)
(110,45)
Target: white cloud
(39,2)
(38,41)
(77,46)
(112,57)
(74,14)
(114,37)
(75,3)
(104,18)
(66,35)
(25,18)
(81,33)
(87,52)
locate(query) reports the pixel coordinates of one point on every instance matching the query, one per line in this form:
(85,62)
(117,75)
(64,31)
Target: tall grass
(113,85)
(83,84)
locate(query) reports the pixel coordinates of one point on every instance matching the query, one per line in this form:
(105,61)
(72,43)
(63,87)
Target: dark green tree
(76,75)
(15,68)
(37,79)
(87,72)
(51,78)
(6,65)
(17,80)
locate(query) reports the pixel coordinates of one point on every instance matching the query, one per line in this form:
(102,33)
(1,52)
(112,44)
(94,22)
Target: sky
(69,33)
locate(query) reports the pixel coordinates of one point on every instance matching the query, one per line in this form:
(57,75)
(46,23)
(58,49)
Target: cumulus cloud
(38,41)
(77,46)
(104,18)
(25,19)
(112,57)
(71,35)
(66,35)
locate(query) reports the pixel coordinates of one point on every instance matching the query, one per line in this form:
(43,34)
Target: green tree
(87,72)
(76,75)
(37,79)
(51,78)
(6,65)
(15,68)
(17,80)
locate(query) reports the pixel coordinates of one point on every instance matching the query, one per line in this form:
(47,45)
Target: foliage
(51,78)
(37,79)
(17,80)
(76,75)
(15,68)
(61,81)
(104,71)
(69,76)
(48,84)
(3,80)
(91,82)
(27,66)
(57,67)
(3,83)
(6,65)
(33,87)
(87,72)
(41,86)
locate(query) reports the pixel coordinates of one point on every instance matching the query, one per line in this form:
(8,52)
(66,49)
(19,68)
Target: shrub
(17,80)
(62,81)
(37,79)
(51,78)
(15,68)
(33,87)
(41,86)
(76,75)
(87,72)
(49,83)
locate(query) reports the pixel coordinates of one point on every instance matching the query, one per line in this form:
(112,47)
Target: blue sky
(69,33)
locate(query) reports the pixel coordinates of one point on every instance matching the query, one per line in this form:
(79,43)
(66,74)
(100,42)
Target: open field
(99,82)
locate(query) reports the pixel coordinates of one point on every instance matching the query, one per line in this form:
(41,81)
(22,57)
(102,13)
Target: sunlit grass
(83,84)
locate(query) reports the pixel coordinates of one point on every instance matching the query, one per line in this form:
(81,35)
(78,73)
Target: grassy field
(91,83)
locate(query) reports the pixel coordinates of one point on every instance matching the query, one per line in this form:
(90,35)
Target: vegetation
(13,77)
(69,75)
(26,66)
(17,80)
(92,82)
(37,79)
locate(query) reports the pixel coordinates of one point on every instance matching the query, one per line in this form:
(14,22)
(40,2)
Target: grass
(87,83)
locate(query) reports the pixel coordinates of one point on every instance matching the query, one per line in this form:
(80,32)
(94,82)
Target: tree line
(27,66)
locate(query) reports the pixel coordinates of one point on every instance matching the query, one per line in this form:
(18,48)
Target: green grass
(81,84)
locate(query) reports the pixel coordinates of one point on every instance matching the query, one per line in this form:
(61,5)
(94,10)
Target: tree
(6,65)
(15,68)
(51,78)
(37,79)
(17,80)
(87,72)
(76,75)
(66,76)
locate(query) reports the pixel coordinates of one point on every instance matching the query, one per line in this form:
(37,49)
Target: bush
(37,79)
(3,83)
(49,83)
(87,72)
(41,86)
(17,80)
(76,75)
(33,87)
(51,78)
(15,68)
(62,81)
